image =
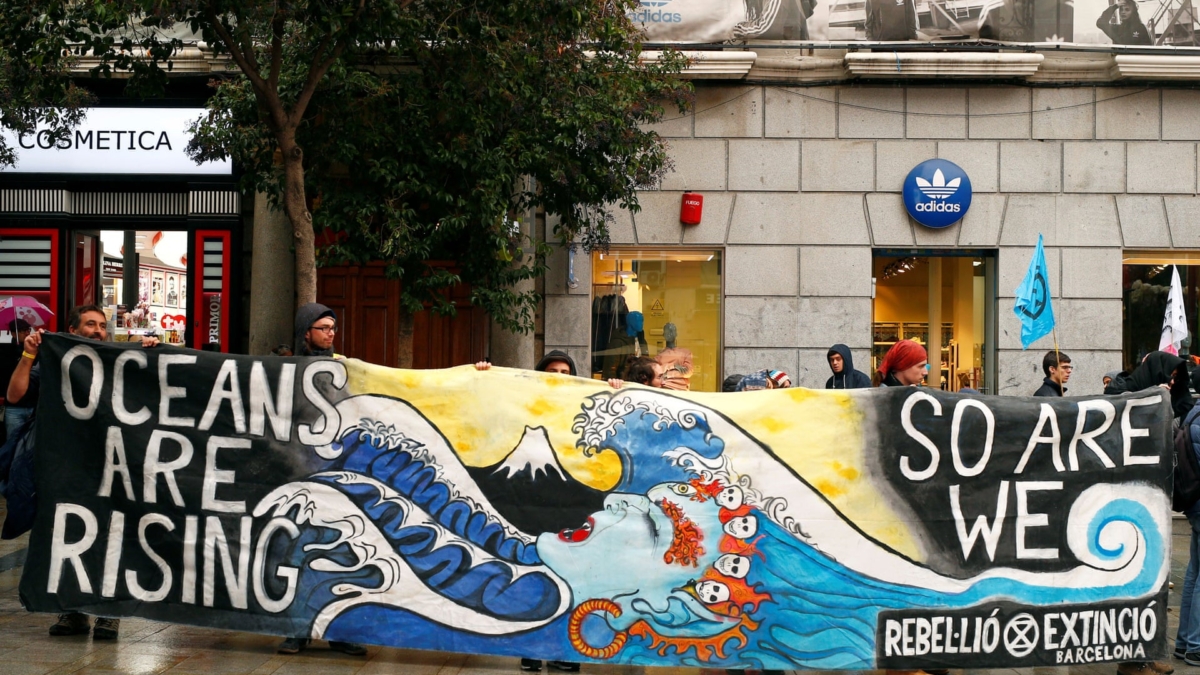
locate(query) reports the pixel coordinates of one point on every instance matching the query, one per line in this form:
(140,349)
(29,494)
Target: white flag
(1174,329)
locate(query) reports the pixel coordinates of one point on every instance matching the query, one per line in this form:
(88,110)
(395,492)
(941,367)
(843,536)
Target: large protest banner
(1141,23)
(520,513)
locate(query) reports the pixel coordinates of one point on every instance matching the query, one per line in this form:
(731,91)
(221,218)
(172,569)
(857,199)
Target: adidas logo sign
(939,188)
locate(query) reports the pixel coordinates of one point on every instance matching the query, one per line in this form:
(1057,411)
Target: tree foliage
(415,131)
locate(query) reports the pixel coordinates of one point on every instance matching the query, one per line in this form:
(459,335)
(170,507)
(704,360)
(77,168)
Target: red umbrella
(24,308)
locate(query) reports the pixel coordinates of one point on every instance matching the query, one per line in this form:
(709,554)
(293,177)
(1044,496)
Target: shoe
(1192,658)
(351,648)
(1161,667)
(1135,668)
(564,666)
(292,645)
(71,623)
(531,665)
(1180,650)
(106,629)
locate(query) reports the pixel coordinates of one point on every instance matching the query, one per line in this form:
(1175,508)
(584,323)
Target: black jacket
(1050,388)
(1158,368)
(849,378)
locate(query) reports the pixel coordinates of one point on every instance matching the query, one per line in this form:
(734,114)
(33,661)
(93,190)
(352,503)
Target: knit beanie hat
(780,379)
(903,355)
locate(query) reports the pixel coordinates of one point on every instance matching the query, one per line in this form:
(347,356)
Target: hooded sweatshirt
(1156,369)
(849,378)
(306,316)
(555,355)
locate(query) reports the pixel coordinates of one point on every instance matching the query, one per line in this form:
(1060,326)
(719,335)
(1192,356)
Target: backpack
(1186,477)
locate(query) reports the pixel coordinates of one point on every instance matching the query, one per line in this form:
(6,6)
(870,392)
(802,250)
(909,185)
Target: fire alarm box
(692,209)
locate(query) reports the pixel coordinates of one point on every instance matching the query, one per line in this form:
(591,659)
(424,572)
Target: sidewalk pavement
(149,648)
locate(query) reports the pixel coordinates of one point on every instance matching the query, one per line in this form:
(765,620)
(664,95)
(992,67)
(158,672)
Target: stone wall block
(1025,216)
(674,124)
(999,112)
(1183,215)
(1180,115)
(1011,265)
(762,322)
(1143,221)
(890,224)
(762,270)
(1163,167)
(834,219)
(620,231)
(871,112)
(1086,220)
(767,218)
(802,112)
(569,320)
(658,221)
(827,321)
(980,159)
(1091,273)
(1094,167)
(714,224)
(938,237)
(764,165)
(936,113)
(1080,324)
(699,165)
(742,361)
(557,269)
(835,271)
(1127,114)
(1064,113)
(1021,371)
(724,111)
(894,159)
(1030,166)
(981,225)
(837,166)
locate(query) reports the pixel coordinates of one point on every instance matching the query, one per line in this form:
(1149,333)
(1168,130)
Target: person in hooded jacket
(1158,369)
(841,362)
(315,328)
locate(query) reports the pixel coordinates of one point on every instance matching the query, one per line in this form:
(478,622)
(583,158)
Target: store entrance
(914,290)
(159,306)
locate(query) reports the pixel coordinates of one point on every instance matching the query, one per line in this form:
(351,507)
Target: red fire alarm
(692,209)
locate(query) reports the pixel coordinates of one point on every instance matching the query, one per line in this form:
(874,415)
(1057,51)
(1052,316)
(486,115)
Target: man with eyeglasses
(1057,367)
(315,328)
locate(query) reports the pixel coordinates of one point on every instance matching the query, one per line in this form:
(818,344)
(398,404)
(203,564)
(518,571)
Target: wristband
(28,355)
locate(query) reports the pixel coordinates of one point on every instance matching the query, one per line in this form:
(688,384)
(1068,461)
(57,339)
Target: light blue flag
(1033,306)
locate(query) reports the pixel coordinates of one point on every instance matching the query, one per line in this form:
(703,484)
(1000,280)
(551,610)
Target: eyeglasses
(325,329)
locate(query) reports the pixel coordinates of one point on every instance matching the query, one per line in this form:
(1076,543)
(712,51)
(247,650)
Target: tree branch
(276,49)
(265,93)
(320,67)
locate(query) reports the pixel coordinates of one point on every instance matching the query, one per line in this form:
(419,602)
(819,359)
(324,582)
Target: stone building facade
(802,186)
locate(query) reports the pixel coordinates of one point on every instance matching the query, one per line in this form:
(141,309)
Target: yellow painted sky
(483,415)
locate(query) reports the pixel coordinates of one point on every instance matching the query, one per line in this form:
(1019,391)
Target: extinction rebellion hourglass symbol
(1040,294)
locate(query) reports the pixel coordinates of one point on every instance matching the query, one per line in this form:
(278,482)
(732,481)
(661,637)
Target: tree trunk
(404,350)
(294,203)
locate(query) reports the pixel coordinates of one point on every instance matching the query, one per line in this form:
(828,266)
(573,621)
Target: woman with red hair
(904,365)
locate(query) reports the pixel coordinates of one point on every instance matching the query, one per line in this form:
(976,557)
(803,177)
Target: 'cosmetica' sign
(937,193)
(116,141)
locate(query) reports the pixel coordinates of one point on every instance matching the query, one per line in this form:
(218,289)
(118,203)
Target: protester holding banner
(88,321)
(1056,366)
(15,411)
(1158,369)
(904,365)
